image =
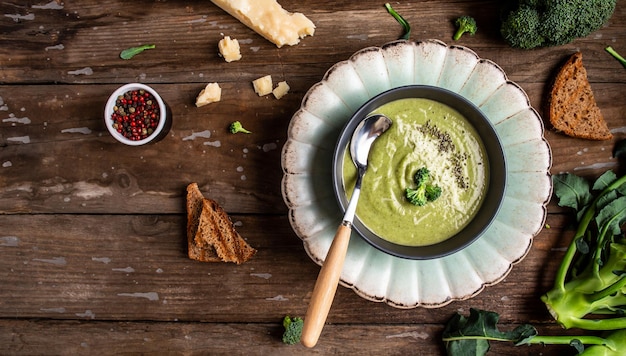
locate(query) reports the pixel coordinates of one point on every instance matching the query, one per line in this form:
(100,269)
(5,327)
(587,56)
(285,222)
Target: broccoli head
(540,23)
(464,24)
(522,28)
(416,196)
(425,191)
(433,192)
(236,127)
(293,330)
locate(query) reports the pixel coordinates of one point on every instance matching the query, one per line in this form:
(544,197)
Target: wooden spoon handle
(325,287)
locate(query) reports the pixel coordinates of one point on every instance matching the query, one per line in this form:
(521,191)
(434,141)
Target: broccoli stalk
(471,336)
(591,279)
(425,191)
(404,23)
(236,127)
(464,24)
(293,330)
(616,55)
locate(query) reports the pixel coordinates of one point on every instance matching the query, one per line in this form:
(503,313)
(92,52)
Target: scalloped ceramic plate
(307,163)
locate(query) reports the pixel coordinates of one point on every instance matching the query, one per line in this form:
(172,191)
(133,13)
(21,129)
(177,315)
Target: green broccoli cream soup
(425,133)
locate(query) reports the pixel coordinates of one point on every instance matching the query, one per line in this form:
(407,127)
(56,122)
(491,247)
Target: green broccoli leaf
(604,180)
(470,336)
(572,191)
(612,216)
(133,51)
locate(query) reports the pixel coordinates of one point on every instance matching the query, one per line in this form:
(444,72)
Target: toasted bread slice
(211,235)
(197,248)
(572,107)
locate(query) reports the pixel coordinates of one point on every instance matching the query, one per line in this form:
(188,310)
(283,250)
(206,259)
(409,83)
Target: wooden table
(92,233)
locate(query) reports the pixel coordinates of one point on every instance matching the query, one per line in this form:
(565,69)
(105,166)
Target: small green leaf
(131,52)
(572,190)
(604,180)
(612,216)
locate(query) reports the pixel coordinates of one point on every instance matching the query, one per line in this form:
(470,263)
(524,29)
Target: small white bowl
(110,107)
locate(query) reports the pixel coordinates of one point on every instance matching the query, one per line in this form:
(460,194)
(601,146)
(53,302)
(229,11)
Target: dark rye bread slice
(211,235)
(572,108)
(198,249)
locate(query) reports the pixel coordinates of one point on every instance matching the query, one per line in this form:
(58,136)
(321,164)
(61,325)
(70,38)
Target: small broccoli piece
(464,24)
(433,192)
(236,127)
(538,23)
(616,55)
(422,176)
(425,192)
(293,330)
(416,196)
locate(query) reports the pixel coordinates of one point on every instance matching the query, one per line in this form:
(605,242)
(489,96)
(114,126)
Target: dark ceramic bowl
(494,191)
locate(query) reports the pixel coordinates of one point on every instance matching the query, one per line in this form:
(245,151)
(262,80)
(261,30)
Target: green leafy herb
(616,55)
(401,20)
(133,51)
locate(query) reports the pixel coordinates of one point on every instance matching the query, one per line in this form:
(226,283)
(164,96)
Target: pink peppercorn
(135,115)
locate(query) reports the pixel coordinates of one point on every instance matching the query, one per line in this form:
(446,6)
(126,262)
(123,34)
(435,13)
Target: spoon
(366,132)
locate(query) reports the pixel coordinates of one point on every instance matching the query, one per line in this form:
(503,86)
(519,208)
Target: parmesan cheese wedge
(270,20)
(263,85)
(229,49)
(210,94)
(281,90)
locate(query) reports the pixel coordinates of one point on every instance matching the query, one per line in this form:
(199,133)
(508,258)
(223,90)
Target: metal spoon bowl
(366,132)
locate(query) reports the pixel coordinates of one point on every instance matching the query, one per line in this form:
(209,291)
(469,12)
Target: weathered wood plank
(25,337)
(56,45)
(134,267)
(70,164)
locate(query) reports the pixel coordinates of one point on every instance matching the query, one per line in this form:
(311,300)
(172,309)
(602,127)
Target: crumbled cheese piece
(281,89)
(229,49)
(263,85)
(270,20)
(210,94)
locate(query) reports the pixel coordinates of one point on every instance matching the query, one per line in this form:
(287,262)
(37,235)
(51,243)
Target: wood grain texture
(92,233)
